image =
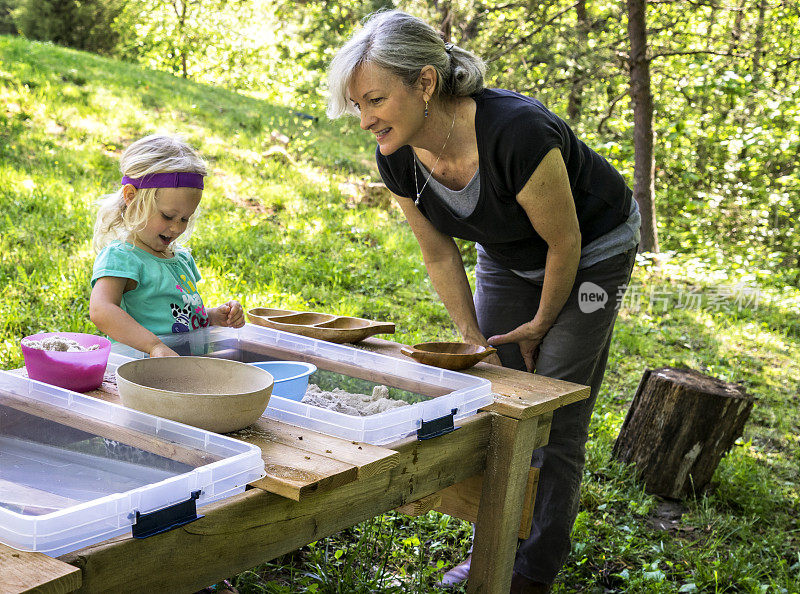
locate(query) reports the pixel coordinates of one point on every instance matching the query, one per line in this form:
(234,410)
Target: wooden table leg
(508,461)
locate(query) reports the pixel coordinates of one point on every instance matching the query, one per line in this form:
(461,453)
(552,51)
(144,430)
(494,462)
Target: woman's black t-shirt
(514,133)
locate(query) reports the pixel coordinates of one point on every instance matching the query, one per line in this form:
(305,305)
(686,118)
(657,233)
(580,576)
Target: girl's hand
(162,350)
(528,336)
(228,314)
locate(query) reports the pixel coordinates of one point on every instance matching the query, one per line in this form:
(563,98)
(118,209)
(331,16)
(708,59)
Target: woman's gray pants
(575,349)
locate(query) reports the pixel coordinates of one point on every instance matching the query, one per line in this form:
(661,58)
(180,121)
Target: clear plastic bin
(433,393)
(74,470)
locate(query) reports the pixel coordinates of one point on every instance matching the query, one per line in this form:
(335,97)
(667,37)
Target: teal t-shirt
(165,299)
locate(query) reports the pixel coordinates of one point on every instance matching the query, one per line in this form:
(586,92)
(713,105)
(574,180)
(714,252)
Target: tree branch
(501,7)
(539,29)
(785,64)
(699,3)
(611,106)
(655,55)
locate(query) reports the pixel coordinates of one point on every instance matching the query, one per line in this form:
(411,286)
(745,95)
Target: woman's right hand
(162,350)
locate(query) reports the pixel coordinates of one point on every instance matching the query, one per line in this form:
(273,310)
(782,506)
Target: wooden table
(317,485)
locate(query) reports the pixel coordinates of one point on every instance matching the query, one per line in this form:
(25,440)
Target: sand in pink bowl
(79,371)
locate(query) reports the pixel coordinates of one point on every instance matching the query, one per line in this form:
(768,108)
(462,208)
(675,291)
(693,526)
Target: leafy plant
(82,24)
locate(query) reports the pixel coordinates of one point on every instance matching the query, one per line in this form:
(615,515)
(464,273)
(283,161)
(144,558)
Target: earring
(426,109)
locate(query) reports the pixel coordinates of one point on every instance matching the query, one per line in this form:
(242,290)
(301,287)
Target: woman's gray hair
(403,45)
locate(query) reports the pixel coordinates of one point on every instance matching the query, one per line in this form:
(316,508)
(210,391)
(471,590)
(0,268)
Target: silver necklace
(414,163)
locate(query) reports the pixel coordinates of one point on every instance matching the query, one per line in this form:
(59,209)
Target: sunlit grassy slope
(280,229)
(275,231)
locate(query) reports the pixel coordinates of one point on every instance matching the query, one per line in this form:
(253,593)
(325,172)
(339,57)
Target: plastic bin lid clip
(166,518)
(437,427)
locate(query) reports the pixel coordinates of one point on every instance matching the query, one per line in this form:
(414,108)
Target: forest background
(697,103)
(704,92)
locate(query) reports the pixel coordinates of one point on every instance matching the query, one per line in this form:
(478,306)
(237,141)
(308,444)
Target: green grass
(281,231)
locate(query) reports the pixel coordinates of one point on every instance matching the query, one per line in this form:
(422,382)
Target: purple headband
(165,180)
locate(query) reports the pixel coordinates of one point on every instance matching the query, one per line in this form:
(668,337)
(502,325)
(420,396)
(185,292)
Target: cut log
(679,426)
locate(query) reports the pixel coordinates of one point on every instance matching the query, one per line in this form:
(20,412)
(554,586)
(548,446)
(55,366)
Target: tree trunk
(642,98)
(678,427)
(575,101)
(180,7)
(446,20)
(758,46)
(748,110)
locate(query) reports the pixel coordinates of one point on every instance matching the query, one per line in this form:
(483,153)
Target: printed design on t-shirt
(192,314)
(183,318)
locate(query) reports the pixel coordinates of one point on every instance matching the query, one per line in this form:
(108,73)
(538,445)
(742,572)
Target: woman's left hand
(528,336)
(228,314)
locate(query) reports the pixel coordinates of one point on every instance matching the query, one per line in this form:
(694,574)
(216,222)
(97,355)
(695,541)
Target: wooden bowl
(306,318)
(346,323)
(213,394)
(268,312)
(322,326)
(448,355)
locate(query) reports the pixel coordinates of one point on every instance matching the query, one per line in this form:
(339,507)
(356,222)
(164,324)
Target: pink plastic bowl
(81,372)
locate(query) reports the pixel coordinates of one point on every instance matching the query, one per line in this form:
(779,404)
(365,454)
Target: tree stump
(678,427)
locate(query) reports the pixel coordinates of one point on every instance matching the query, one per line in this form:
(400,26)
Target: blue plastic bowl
(291,377)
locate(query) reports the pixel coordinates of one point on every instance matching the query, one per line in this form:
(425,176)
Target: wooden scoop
(448,355)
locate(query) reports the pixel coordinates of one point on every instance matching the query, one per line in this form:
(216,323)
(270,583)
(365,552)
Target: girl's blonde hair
(402,44)
(157,153)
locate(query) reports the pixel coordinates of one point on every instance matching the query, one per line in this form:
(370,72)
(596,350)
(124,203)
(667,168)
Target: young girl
(144,282)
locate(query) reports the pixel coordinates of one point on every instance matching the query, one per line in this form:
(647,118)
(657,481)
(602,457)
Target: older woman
(555,226)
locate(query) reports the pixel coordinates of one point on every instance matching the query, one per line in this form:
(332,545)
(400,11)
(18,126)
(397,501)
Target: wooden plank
(32,500)
(527,395)
(22,425)
(462,500)
(299,461)
(543,430)
(295,473)
(368,459)
(248,529)
(521,395)
(526,521)
(500,511)
(137,439)
(22,571)
(421,506)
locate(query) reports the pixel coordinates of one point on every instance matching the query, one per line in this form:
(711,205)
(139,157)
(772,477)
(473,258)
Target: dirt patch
(667,516)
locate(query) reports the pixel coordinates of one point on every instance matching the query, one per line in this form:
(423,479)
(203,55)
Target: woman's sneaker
(456,576)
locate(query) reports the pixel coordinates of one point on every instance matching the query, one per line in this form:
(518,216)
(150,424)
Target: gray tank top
(461,202)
